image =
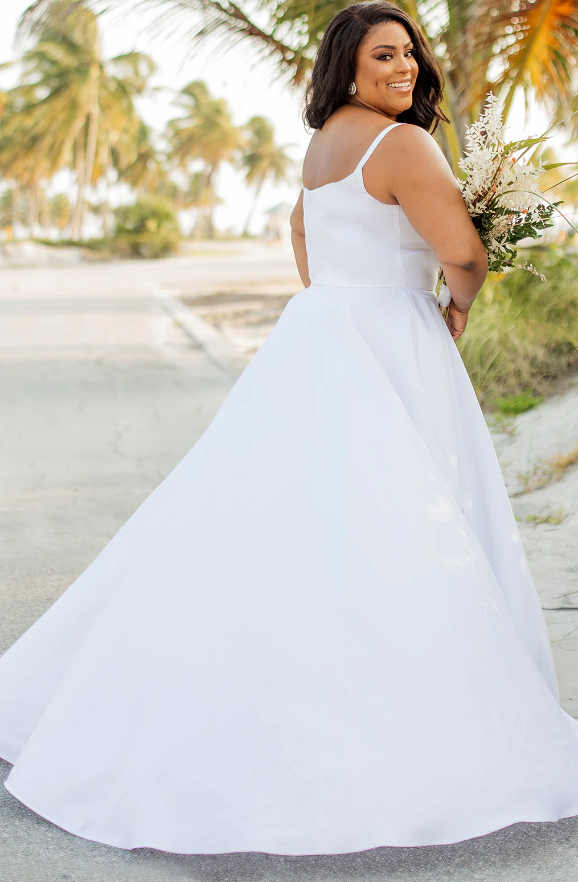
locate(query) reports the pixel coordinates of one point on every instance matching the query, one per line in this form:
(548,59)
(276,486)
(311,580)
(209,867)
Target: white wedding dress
(319,634)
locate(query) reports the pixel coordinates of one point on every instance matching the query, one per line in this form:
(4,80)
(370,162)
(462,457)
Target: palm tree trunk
(198,225)
(32,208)
(210,227)
(14,214)
(452,135)
(91,140)
(44,212)
(253,205)
(37,203)
(107,215)
(76,218)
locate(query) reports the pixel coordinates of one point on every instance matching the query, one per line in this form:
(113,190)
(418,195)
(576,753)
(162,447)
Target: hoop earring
(352,88)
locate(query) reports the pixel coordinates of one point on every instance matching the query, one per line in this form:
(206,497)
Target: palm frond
(540,45)
(45,15)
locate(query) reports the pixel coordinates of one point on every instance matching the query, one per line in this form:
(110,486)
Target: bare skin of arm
(408,167)
(298,241)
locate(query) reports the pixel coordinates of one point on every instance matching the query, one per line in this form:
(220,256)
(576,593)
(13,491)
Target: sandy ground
(108,378)
(548,519)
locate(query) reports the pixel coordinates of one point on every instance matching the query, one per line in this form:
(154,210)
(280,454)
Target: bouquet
(501,193)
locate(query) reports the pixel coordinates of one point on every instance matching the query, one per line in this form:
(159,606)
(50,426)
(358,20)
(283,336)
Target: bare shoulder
(412,144)
(411,157)
(346,134)
(310,157)
(406,159)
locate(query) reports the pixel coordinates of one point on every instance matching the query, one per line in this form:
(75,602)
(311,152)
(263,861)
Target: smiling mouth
(401,86)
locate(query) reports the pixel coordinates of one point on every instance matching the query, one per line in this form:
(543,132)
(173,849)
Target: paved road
(103,390)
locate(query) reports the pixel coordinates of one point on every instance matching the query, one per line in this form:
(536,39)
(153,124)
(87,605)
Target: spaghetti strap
(374,144)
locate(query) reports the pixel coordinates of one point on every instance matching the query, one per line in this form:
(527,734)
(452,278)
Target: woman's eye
(387,56)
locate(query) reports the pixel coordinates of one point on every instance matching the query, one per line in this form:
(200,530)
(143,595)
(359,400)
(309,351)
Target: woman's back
(352,239)
(381,206)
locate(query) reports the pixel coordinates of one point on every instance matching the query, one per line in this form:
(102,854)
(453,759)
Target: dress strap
(374,144)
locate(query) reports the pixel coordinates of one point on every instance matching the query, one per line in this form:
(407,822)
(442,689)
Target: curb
(204,335)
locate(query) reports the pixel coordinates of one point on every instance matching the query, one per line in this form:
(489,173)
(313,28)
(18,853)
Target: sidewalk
(107,380)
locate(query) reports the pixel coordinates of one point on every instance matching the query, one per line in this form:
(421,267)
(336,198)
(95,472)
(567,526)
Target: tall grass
(523,333)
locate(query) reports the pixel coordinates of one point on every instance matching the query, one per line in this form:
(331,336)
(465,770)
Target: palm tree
(138,161)
(527,45)
(10,211)
(262,159)
(72,105)
(198,196)
(22,159)
(59,212)
(205,132)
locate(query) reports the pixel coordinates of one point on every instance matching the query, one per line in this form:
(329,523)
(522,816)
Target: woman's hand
(457,320)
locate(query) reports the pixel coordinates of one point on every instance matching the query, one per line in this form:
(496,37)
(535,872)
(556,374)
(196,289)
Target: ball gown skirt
(319,634)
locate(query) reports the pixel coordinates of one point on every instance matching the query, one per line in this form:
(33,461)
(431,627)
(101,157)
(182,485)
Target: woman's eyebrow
(382,46)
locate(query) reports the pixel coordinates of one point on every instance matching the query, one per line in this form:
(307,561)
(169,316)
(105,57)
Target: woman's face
(386,69)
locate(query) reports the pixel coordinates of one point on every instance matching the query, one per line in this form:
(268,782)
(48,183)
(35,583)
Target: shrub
(101,244)
(515,404)
(523,333)
(148,228)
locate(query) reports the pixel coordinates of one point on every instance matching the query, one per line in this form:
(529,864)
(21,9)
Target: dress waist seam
(374,287)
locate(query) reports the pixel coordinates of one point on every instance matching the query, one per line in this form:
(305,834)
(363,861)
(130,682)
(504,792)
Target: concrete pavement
(106,382)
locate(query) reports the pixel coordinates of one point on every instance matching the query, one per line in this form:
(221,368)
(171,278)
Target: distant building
(277,226)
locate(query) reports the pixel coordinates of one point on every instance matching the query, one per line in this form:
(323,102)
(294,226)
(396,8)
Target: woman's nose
(403,65)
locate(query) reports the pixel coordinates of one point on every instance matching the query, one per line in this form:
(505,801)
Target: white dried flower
(500,191)
(531,269)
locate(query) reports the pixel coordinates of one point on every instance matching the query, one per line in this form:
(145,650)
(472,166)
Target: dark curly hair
(336,63)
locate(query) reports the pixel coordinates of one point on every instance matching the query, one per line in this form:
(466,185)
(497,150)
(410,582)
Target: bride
(320,630)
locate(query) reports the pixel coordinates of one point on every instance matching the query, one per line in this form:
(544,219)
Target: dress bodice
(352,239)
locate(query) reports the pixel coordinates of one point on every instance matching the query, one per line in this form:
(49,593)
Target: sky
(250,85)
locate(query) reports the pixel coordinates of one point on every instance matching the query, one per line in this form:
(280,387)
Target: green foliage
(71,108)
(262,159)
(524,144)
(205,132)
(102,244)
(523,333)
(515,404)
(59,211)
(523,225)
(554,517)
(8,208)
(483,46)
(148,228)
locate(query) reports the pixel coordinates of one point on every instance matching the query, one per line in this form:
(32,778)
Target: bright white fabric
(352,239)
(319,634)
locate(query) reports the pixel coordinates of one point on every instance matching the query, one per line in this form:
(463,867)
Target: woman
(321,627)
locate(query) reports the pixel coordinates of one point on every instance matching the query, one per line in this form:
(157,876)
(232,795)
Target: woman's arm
(419,177)
(298,241)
